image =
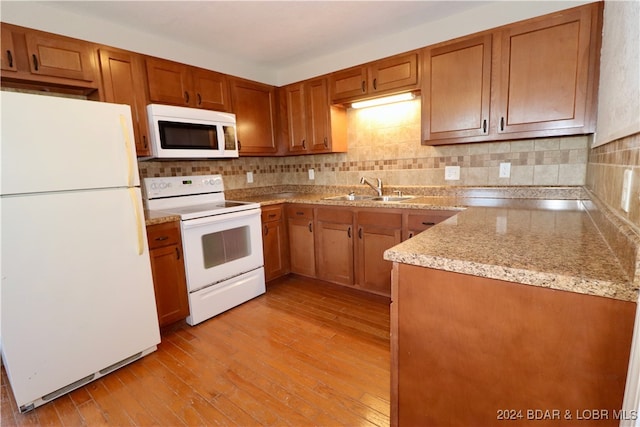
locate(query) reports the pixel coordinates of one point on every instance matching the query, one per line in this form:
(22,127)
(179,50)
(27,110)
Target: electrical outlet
(626,190)
(505,170)
(312,174)
(451,173)
(249,177)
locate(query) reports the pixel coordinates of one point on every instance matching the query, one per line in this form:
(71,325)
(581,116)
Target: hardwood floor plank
(304,353)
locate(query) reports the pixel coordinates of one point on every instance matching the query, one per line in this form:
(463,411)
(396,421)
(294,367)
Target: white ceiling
(270,33)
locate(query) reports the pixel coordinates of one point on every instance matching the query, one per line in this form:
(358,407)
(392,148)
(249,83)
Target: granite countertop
(539,242)
(542,243)
(158,217)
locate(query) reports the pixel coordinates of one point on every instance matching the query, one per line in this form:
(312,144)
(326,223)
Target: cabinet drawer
(301,212)
(273,213)
(422,221)
(160,235)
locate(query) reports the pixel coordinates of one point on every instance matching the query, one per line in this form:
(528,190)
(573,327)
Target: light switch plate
(312,174)
(249,177)
(505,170)
(626,190)
(451,173)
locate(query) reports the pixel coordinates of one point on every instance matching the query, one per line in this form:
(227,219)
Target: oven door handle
(192,223)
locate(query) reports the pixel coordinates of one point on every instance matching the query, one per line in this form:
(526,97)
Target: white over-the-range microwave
(191,133)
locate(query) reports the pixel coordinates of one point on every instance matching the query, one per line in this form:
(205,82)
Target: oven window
(224,246)
(187,136)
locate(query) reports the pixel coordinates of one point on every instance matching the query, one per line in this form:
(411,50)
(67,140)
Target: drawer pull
(349,232)
(161,238)
(35,62)
(186,96)
(272,215)
(299,213)
(360,233)
(266,230)
(428,223)
(310,228)
(177,253)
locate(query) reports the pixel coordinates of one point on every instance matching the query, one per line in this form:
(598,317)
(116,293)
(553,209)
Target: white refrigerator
(77,299)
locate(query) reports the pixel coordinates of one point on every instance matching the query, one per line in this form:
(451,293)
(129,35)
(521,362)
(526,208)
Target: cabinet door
(456,89)
(167,267)
(377,232)
(168,82)
(8,58)
(347,84)
(57,56)
(211,90)
(296,117)
(123,82)
(393,74)
(334,245)
(301,240)
(545,73)
(318,117)
(254,106)
(275,243)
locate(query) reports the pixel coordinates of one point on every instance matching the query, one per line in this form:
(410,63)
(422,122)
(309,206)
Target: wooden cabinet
(310,124)
(37,59)
(547,76)
(167,266)
(417,221)
(386,76)
(456,89)
(536,78)
(123,82)
(275,242)
(489,346)
(179,84)
(7,59)
(377,231)
(254,105)
(301,239)
(334,245)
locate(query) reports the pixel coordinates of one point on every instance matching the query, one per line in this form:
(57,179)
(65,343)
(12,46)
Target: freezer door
(77,293)
(54,144)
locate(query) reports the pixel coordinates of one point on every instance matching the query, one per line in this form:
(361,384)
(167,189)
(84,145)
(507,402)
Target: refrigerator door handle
(127,145)
(136,212)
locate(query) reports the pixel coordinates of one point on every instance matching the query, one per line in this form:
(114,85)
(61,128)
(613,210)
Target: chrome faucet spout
(377,188)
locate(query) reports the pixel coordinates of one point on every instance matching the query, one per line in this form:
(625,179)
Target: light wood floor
(305,353)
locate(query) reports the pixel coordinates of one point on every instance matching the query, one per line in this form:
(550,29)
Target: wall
(384,142)
(618,110)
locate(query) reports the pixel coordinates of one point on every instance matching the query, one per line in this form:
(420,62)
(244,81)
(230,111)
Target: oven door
(219,247)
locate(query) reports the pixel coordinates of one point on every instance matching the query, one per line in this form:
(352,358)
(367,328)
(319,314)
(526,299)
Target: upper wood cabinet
(123,81)
(178,84)
(254,105)
(38,59)
(386,76)
(456,89)
(536,78)
(309,123)
(7,60)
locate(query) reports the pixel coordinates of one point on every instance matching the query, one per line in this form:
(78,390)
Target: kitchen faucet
(378,189)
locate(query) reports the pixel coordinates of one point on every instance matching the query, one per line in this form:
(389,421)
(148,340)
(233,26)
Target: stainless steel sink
(349,197)
(392,198)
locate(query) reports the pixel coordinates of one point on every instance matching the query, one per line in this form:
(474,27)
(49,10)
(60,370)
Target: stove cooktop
(210,209)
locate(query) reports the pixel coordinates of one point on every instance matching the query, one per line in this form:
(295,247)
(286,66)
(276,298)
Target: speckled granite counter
(536,236)
(158,217)
(524,242)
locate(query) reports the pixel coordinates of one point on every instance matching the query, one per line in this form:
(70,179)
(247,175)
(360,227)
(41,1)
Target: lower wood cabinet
(167,267)
(275,242)
(334,245)
(377,232)
(300,227)
(345,245)
(468,350)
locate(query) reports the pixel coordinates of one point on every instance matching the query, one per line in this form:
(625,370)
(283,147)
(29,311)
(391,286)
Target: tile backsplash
(384,142)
